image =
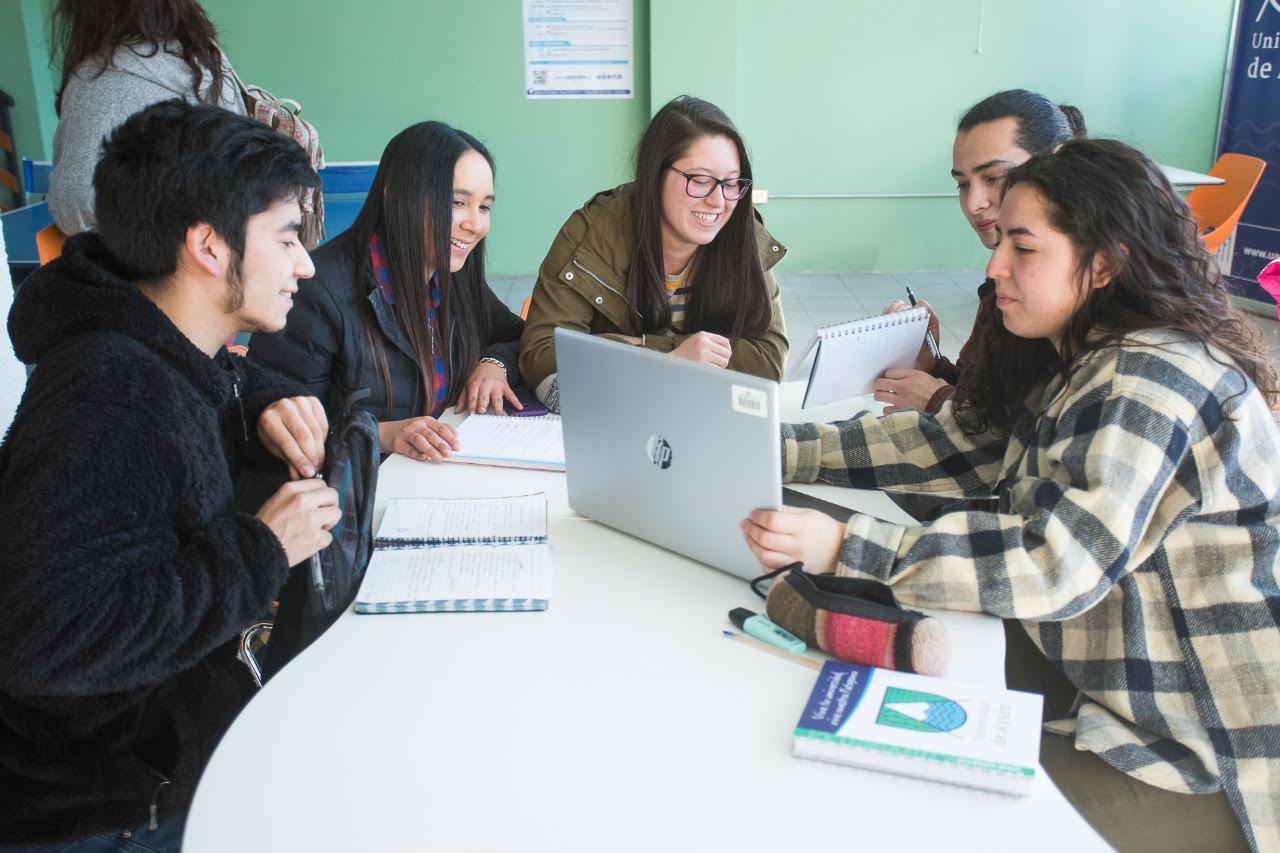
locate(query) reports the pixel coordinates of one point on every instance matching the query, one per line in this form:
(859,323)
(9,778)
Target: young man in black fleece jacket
(126,572)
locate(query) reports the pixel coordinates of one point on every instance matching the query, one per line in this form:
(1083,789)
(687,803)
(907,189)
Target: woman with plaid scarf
(1121,418)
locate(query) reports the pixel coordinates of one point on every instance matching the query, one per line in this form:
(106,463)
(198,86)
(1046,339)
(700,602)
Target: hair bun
(1075,119)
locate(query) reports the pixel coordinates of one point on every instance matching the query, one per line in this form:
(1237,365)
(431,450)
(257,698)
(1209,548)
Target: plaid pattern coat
(1136,537)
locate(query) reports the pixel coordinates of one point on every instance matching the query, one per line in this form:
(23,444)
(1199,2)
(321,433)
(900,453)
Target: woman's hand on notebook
(424,439)
(925,361)
(905,389)
(486,389)
(791,535)
(706,348)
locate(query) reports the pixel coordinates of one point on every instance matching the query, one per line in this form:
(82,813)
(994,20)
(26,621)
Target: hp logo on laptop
(659,451)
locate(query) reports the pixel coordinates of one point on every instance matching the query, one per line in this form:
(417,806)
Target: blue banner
(1251,125)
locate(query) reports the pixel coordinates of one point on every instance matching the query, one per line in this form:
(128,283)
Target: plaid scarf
(439,375)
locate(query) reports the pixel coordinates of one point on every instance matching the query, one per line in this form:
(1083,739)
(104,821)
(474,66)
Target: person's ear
(1104,267)
(206,250)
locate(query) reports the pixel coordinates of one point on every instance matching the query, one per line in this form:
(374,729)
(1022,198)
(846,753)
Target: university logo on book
(920,712)
(1267,4)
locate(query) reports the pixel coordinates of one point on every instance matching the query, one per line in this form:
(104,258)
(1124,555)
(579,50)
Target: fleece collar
(82,293)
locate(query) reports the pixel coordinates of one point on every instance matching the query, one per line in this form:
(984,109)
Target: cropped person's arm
(554,304)
(91,108)
(99,593)
(764,356)
(1102,505)
(905,451)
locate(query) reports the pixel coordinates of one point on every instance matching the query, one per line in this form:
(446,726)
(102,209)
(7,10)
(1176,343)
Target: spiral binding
(390,544)
(872,323)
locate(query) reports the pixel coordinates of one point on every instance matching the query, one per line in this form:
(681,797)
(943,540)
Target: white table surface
(619,719)
(1187,178)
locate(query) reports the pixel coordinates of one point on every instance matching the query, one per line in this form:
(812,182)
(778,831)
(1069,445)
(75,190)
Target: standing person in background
(117,57)
(994,135)
(677,261)
(399,304)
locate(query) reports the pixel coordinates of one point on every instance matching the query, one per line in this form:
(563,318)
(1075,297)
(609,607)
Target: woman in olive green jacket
(677,261)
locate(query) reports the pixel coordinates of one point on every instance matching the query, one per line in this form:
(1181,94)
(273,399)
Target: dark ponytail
(1042,126)
(1075,120)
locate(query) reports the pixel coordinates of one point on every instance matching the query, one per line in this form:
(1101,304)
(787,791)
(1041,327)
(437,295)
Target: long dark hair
(1112,203)
(92,30)
(1042,126)
(410,207)
(730,295)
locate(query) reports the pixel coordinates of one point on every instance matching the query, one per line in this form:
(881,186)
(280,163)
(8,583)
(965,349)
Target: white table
(620,719)
(1187,178)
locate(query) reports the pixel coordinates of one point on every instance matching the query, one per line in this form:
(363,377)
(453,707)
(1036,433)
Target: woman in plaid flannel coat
(1121,418)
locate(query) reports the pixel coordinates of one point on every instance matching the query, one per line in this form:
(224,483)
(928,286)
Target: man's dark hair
(174,165)
(1042,126)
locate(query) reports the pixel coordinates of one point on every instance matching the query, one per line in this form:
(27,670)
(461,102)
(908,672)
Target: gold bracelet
(491,360)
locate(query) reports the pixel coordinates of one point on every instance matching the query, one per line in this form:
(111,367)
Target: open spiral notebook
(848,357)
(459,554)
(511,442)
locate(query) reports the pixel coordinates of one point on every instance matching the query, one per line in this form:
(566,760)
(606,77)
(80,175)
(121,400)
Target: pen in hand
(317,570)
(928,335)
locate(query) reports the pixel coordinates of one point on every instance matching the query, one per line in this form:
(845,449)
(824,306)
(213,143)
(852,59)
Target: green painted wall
(856,96)
(25,75)
(862,96)
(361,77)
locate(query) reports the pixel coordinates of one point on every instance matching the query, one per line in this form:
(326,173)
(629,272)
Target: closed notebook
(520,442)
(914,725)
(459,554)
(849,357)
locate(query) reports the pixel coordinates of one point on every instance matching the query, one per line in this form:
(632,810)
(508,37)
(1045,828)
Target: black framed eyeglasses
(701,186)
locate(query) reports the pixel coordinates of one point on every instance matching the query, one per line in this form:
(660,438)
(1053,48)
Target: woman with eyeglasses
(677,261)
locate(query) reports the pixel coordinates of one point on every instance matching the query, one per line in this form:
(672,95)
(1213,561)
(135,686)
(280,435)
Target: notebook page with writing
(534,442)
(481,578)
(416,522)
(852,355)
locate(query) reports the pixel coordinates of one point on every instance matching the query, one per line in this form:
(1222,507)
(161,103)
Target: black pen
(928,335)
(317,567)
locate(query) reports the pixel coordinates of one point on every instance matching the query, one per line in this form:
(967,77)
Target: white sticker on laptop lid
(750,401)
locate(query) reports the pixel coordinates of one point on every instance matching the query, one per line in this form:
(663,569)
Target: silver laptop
(673,452)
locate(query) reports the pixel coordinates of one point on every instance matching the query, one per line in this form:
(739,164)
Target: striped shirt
(439,375)
(1136,537)
(678,294)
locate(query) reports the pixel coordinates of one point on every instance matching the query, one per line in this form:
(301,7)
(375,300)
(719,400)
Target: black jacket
(323,347)
(125,571)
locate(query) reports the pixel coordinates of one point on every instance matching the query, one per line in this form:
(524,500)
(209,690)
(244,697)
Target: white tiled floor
(811,300)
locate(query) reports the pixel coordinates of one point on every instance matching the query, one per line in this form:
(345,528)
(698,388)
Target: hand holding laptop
(781,537)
